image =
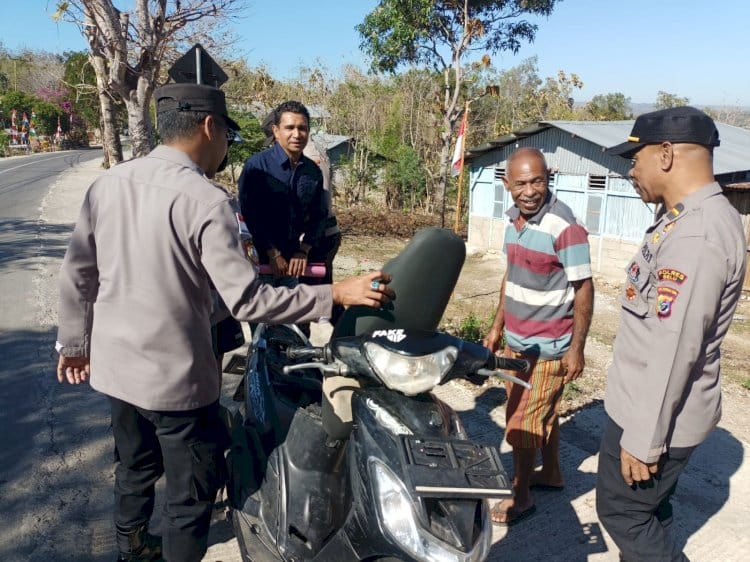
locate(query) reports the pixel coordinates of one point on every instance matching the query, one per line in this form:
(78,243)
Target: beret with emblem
(193,97)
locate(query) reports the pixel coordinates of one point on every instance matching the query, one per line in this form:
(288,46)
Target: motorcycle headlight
(400,522)
(407,373)
(396,512)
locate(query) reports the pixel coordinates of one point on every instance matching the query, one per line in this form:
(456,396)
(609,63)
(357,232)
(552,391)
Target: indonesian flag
(458,152)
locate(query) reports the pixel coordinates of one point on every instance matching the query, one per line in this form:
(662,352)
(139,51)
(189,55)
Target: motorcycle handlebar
(495,362)
(506,376)
(304,352)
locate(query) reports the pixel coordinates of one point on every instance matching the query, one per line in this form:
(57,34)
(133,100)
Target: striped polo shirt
(549,252)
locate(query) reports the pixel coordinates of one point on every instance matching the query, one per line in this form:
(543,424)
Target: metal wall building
(593,183)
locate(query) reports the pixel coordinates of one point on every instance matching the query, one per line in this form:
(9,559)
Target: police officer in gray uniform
(663,393)
(135,315)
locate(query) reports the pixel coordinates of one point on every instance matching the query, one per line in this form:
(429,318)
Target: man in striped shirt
(546,303)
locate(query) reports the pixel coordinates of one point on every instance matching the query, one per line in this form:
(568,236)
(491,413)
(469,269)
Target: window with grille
(499,204)
(594,214)
(499,174)
(597,183)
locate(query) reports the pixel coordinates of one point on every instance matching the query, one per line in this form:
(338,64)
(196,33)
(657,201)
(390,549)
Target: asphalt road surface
(45,495)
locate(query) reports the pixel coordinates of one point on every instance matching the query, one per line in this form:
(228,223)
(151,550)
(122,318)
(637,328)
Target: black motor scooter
(392,476)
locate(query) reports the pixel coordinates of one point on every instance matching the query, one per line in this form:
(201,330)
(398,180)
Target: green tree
(79,80)
(520,97)
(127,48)
(253,142)
(440,34)
(608,107)
(4,142)
(665,100)
(46,113)
(405,179)
(361,108)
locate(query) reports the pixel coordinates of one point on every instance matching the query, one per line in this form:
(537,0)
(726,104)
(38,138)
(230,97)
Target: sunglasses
(233,137)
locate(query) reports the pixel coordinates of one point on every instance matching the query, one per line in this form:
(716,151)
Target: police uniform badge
(672,275)
(665,300)
(634,272)
(630,292)
(247,242)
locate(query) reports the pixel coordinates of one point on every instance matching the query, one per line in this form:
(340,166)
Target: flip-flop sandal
(546,488)
(513,517)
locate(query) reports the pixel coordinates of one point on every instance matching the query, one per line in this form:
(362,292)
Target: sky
(691,48)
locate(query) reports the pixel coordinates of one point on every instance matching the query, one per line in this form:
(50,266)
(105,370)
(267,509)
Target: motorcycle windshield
(424,276)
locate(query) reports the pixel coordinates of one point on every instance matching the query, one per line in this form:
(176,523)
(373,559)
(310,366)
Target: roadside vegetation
(431,61)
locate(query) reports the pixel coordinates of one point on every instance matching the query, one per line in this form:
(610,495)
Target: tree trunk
(140,127)
(445,164)
(110,136)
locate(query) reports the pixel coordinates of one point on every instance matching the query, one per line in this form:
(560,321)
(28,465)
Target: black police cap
(675,124)
(193,97)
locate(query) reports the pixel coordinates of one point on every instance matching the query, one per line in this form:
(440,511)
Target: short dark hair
(175,125)
(290,106)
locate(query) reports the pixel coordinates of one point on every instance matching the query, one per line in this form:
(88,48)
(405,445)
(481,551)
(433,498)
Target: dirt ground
(477,293)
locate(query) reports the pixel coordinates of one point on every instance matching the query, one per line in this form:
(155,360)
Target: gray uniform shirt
(681,291)
(135,285)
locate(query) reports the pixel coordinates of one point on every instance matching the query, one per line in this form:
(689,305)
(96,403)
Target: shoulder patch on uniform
(673,275)
(246,240)
(630,292)
(664,301)
(634,272)
(244,232)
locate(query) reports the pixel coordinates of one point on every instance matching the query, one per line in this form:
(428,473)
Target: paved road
(45,430)
(24,182)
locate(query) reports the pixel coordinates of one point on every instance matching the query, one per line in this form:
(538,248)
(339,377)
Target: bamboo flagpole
(458,162)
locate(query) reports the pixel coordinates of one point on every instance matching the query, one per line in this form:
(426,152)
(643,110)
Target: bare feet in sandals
(507,513)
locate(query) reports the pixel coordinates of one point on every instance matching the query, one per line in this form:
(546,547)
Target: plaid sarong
(530,414)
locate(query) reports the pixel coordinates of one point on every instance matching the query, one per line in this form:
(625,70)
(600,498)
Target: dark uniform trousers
(638,517)
(188,448)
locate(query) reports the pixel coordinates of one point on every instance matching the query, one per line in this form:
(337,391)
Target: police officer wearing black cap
(153,237)
(663,393)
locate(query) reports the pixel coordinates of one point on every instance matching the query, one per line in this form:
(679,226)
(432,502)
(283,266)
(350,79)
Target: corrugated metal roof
(330,141)
(733,155)
(603,133)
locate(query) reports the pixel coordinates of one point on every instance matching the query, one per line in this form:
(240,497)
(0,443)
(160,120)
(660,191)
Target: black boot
(136,544)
